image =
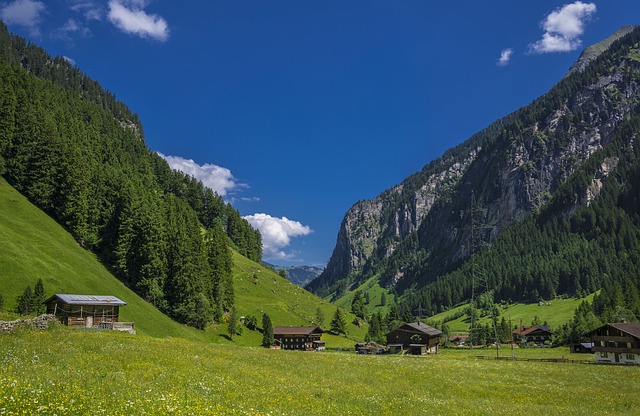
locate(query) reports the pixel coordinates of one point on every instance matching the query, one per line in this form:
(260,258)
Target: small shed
(581,348)
(418,349)
(88,311)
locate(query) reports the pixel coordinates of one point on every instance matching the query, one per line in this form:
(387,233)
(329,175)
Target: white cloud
(505,57)
(25,13)
(563,28)
(130,17)
(217,178)
(70,28)
(276,234)
(89,9)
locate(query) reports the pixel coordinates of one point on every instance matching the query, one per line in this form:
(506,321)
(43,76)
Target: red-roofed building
(535,333)
(305,338)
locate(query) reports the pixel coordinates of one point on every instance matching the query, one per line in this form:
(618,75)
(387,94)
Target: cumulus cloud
(505,57)
(563,28)
(27,13)
(276,234)
(130,17)
(217,178)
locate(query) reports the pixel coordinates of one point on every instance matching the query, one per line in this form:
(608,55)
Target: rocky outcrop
(512,167)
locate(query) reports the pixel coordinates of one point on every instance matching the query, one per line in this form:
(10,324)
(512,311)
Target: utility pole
(479,280)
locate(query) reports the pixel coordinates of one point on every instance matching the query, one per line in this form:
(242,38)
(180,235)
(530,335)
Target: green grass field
(67,372)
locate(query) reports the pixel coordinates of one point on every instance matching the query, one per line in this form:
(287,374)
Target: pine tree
(232,325)
(339,323)
(267,331)
(38,297)
(357,305)
(24,302)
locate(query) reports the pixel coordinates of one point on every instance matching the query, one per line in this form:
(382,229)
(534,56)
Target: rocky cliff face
(419,229)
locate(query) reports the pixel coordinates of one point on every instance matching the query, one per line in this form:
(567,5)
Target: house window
(603,355)
(631,357)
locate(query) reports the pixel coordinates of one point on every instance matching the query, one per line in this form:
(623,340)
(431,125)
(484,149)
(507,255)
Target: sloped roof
(632,329)
(526,330)
(296,330)
(420,327)
(88,300)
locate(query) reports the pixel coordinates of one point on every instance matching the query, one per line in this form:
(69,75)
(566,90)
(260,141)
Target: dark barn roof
(632,329)
(296,330)
(424,328)
(87,300)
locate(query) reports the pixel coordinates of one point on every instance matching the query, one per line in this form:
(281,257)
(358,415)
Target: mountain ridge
(418,230)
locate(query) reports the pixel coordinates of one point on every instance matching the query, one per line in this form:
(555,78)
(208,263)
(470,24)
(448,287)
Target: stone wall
(41,322)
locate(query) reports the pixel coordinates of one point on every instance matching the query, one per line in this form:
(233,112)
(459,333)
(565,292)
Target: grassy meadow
(66,372)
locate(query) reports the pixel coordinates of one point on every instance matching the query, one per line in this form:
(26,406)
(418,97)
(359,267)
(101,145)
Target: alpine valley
(547,198)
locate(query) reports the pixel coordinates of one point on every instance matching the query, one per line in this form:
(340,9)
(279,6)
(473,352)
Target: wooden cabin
(88,311)
(617,343)
(419,338)
(305,338)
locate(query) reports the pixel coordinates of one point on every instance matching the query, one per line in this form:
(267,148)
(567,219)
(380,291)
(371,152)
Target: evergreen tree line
(75,156)
(30,301)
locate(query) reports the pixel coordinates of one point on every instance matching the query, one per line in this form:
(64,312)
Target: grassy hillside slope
(555,312)
(66,372)
(258,290)
(35,246)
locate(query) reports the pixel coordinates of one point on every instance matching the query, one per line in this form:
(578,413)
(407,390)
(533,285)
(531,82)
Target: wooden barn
(305,338)
(418,338)
(88,311)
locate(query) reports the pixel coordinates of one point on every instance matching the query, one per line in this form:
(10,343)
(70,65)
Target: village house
(305,338)
(536,334)
(418,338)
(88,311)
(617,343)
(458,340)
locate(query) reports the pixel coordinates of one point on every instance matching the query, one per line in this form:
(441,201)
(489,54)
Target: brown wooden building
(617,343)
(418,338)
(305,338)
(88,311)
(536,333)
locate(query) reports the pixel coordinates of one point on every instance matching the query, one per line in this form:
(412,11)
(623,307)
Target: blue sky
(294,110)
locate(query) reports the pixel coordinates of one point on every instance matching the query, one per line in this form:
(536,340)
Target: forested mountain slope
(557,182)
(79,155)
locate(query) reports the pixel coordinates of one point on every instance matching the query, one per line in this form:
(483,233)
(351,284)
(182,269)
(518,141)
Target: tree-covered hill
(79,155)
